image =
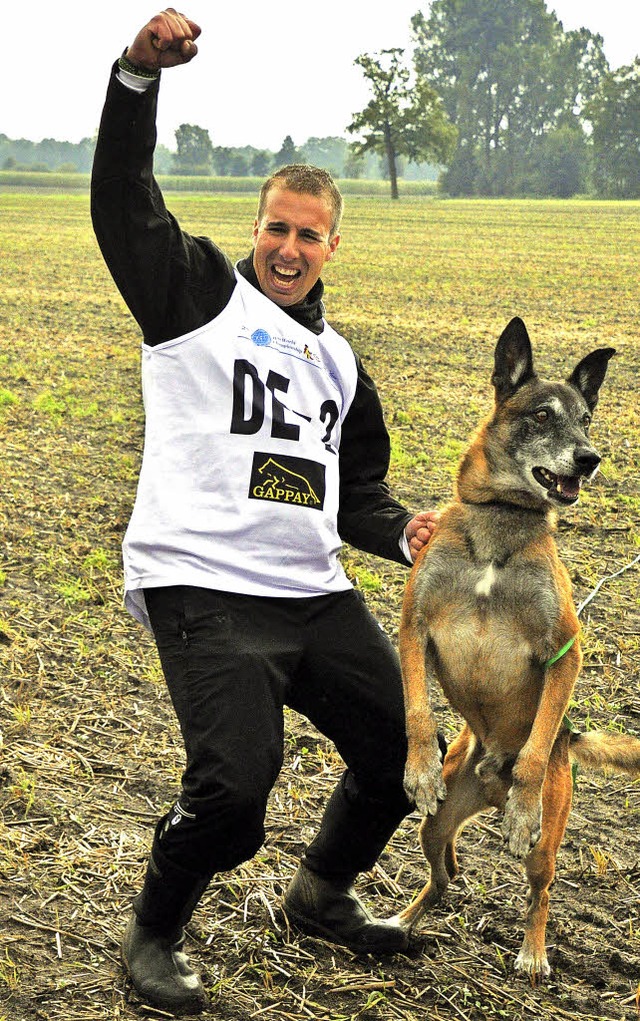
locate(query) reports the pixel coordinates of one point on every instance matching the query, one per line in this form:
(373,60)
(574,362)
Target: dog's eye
(542,415)
(586,422)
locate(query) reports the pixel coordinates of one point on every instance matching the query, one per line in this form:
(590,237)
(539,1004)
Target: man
(265,446)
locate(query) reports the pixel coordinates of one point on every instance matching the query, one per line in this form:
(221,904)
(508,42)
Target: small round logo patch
(261,338)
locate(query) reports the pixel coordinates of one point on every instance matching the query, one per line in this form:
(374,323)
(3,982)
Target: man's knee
(215,833)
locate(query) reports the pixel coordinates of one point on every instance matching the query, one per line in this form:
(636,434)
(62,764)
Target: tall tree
(614,114)
(508,74)
(287,154)
(194,150)
(261,162)
(561,164)
(405,116)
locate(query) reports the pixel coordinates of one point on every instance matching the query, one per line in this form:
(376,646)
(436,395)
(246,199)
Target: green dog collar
(560,653)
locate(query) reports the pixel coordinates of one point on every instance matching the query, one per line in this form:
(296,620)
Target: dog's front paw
(522,823)
(535,965)
(424,784)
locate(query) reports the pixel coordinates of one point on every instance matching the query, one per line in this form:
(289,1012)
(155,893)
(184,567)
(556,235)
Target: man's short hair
(305,180)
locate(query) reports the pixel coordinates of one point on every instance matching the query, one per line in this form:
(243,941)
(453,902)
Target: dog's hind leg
(541,861)
(465,798)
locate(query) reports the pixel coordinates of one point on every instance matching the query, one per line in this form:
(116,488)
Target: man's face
(291,244)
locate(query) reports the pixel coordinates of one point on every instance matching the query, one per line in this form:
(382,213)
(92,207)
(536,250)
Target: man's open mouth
(283,275)
(563,488)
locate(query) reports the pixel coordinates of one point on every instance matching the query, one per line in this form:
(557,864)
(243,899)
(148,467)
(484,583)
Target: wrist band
(140,72)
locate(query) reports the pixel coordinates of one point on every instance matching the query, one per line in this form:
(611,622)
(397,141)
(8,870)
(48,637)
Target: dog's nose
(586,460)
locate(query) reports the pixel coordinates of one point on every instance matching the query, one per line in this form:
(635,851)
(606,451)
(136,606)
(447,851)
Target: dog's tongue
(569,486)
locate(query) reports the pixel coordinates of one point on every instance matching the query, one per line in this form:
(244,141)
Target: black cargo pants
(231,663)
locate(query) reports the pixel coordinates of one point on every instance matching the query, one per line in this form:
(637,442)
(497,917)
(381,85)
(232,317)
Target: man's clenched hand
(167,40)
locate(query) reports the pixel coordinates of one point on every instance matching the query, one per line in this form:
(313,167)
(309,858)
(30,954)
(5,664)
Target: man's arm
(172,282)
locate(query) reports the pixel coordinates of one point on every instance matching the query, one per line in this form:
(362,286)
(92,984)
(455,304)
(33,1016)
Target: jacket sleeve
(172,282)
(369,518)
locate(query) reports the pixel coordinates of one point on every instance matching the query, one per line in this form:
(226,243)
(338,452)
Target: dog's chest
(488,624)
(486,582)
(492,595)
(516,588)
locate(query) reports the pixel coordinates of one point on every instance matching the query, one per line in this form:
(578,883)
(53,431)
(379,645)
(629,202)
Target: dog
(488,612)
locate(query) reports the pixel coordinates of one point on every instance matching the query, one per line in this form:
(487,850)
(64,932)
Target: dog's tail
(597,750)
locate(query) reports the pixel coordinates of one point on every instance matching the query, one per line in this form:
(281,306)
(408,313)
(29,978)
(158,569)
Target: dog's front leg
(423,780)
(522,822)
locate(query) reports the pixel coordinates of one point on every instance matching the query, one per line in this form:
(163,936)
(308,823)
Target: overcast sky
(264,70)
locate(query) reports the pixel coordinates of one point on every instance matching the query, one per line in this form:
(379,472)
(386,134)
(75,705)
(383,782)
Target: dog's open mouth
(563,488)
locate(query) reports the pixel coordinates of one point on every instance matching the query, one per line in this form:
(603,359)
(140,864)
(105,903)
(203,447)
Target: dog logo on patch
(261,338)
(291,480)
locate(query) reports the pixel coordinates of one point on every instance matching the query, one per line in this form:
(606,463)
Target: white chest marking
(486,581)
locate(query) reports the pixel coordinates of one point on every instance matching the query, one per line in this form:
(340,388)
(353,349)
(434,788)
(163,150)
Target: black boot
(330,908)
(152,945)
(160,970)
(354,831)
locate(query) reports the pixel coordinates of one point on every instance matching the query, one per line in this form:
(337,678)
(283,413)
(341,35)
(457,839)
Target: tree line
(507,102)
(195,154)
(496,99)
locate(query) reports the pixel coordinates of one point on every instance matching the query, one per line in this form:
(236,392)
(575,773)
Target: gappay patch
(290,480)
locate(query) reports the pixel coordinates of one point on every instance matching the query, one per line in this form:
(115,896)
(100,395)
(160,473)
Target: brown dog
(488,611)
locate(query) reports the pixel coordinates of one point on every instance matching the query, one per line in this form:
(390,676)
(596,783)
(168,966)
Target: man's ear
(333,244)
(255,230)
(513,360)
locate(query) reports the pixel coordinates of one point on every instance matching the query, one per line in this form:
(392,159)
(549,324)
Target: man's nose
(289,247)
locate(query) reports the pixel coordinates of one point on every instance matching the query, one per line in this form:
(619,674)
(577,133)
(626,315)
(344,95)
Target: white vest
(239,483)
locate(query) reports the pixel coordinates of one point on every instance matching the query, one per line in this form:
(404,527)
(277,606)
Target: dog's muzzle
(565,489)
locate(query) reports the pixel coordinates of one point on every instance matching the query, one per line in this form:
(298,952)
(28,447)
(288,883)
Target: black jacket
(174,283)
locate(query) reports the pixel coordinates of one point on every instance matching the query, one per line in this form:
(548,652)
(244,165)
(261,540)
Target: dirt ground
(92,755)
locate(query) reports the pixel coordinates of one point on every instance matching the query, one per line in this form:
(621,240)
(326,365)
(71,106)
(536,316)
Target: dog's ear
(588,375)
(513,364)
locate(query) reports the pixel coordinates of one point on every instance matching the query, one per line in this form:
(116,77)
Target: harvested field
(91,753)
